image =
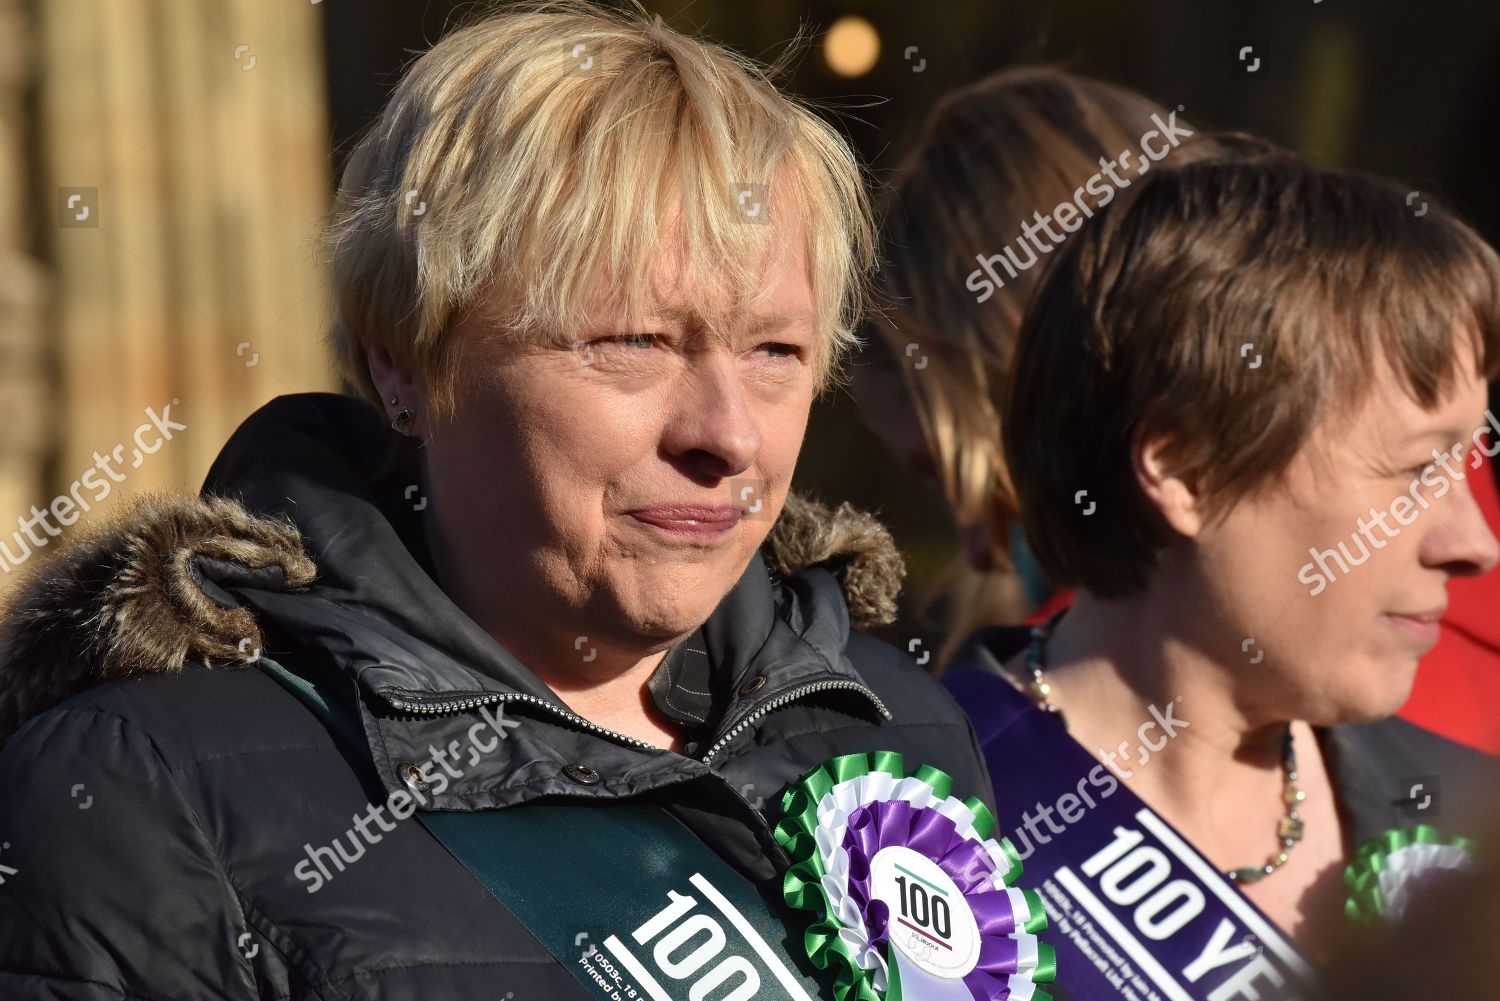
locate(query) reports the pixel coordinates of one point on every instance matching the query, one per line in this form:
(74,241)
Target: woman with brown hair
(1012,202)
(1245,409)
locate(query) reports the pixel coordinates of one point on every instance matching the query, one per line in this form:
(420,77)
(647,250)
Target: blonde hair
(988,155)
(546,154)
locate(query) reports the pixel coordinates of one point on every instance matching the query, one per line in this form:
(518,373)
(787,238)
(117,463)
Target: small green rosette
(1390,870)
(911,898)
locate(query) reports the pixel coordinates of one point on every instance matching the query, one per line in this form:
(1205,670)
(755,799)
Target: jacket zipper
(425,708)
(771,705)
(473,702)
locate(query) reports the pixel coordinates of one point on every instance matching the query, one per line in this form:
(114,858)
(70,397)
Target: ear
(1175,496)
(392,383)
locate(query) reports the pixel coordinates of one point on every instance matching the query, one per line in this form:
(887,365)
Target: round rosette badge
(910,895)
(1390,870)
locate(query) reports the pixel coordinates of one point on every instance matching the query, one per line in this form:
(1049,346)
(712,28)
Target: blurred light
(851,46)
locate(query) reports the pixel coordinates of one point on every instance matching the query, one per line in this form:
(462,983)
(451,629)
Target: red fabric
(1056,602)
(1457,693)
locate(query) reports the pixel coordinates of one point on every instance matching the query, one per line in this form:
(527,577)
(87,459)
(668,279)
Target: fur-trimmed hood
(148,589)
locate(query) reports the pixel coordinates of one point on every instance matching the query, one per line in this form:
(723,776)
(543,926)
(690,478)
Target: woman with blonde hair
(532,636)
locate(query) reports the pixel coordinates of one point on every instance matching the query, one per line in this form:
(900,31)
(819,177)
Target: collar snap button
(754,685)
(412,776)
(582,774)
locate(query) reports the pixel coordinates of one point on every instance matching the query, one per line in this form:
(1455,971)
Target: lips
(1424,626)
(690,520)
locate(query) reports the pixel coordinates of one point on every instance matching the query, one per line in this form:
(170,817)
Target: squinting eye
(785,350)
(1415,472)
(633,340)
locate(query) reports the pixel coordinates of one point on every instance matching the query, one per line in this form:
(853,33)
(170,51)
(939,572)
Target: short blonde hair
(546,154)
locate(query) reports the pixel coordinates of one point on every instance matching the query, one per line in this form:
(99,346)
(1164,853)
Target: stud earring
(403,421)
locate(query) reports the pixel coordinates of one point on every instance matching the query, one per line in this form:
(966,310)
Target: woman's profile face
(1337,577)
(626,481)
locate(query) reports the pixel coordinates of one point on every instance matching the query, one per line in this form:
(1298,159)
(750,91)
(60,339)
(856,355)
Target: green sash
(620,893)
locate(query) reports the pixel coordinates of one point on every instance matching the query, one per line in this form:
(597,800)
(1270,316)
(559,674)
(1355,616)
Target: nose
(1464,543)
(714,430)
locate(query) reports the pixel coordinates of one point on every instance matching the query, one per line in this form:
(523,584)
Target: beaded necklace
(1288,829)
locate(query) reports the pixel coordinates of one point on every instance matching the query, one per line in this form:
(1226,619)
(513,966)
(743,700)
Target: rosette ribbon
(1389,870)
(911,898)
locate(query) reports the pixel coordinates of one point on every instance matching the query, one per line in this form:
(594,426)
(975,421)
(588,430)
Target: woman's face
(618,488)
(1335,583)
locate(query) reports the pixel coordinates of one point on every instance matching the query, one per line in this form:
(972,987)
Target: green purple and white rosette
(911,898)
(1389,871)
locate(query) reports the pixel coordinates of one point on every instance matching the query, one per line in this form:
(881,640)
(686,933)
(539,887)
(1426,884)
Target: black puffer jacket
(151,825)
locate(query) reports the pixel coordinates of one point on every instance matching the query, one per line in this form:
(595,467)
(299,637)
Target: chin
(662,619)
(1379,701)
(670,599)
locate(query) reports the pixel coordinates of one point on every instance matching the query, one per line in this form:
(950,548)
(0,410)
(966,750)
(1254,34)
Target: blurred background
(165,165)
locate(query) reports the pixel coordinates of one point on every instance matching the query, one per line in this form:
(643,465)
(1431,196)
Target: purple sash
(1135,911)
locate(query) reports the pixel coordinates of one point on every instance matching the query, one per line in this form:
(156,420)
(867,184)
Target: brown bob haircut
(1147,324)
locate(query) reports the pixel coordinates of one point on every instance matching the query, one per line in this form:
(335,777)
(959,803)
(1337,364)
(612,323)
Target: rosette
(910,896)
(1390,869)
